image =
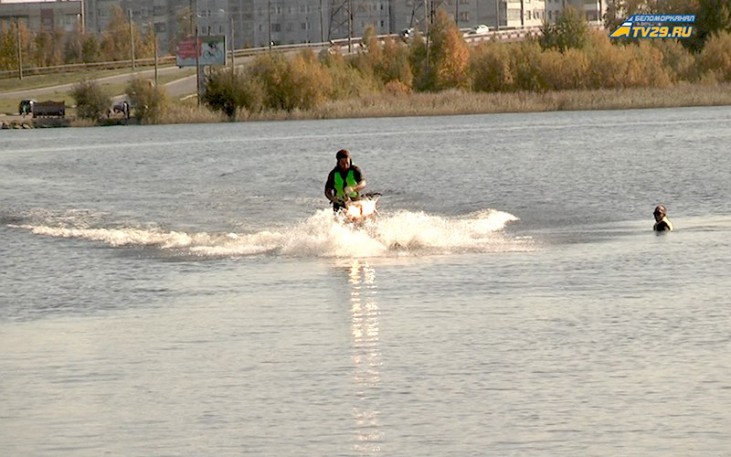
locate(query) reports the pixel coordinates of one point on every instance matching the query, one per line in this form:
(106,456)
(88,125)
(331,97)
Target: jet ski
(361,210)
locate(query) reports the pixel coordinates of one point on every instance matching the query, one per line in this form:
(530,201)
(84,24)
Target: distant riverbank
(459,103)
(455,103)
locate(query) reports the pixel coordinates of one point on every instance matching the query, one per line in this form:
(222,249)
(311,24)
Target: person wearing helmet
(344,182)
(662,223)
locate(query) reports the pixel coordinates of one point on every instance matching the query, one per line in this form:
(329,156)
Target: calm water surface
(184,290)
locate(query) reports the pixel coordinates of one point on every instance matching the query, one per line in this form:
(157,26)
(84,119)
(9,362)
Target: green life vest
(340,185)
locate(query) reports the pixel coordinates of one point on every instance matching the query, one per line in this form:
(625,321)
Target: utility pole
(233,46)
(497,14)
(350,25)
(131,39)
(456,13)
(269,17)
(322,29)
(20,49)
(426,33)
(83,18)
(154,34)
(190,11)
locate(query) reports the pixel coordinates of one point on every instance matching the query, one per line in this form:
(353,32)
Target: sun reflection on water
(366,357)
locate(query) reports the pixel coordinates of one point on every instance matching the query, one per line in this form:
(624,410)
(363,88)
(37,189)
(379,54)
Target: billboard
(211,51)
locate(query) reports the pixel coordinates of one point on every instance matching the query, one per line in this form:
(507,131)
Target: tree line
(567,55)
(116,41)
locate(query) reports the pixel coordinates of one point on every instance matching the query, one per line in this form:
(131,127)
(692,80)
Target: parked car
(49,108)
(25,107)
(479,30)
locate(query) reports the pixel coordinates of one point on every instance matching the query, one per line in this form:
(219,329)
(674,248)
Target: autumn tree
(8,47)
(9,35)
(395,64)
(150,102)
(72,48)
(619,10)
(490,68)
(569,32)
(347,80)
(116,43)
(525,59)
(90,51)
(227,92)
(297,83)
(383,60)
(713,18)
(715,59)
(368,58)
(308,84)
(418,60)
(91,100)
(448,57)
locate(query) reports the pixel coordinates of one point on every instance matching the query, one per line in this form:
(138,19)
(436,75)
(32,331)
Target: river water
(183,290)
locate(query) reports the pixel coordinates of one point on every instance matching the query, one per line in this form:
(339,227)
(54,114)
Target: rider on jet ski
(344,182)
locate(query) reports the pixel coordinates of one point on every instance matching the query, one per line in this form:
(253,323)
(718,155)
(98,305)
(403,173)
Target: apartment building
(248,23)
(496,14)
(256,23)
(43,16)
(592,10)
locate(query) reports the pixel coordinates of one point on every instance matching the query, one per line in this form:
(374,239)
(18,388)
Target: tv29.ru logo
(662,31)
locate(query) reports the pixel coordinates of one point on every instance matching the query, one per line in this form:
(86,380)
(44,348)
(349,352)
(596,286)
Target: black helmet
(342,154)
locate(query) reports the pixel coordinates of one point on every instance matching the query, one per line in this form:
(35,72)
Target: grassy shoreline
(458,103)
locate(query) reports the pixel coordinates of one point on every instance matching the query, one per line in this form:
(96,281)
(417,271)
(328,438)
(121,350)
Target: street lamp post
(233,45)
(197,58)
(222,14)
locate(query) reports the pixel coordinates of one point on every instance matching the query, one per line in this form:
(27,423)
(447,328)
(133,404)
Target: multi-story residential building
(592,10)
(496,14)
(43,16)
(523,13)
(256,23)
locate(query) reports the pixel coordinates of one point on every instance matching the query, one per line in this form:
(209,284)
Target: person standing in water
(344,182)
(662,223)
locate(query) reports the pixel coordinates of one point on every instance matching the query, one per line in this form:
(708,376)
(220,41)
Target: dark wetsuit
(330,184)
(663,226)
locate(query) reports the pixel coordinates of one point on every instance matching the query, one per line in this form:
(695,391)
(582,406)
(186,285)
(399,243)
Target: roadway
(180,86)
(185,85)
